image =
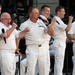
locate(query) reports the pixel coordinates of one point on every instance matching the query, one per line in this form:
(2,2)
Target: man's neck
(33,20)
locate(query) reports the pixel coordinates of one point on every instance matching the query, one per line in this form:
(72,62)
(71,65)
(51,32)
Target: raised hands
(14,25)
(22,33)
(70,18)
(27,29)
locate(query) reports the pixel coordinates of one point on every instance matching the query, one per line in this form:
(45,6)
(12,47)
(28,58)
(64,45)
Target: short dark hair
(58,8)
(43,7)
(31,9)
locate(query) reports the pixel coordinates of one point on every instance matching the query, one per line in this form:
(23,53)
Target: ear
(30,14)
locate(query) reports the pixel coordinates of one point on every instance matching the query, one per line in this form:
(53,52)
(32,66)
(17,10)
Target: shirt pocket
(41,30)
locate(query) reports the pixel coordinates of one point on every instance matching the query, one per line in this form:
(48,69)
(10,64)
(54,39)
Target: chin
(8,23)
(62,16)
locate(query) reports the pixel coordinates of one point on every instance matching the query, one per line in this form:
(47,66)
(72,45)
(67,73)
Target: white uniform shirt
(36,33)
(72,30)
(11,41)
(59,29)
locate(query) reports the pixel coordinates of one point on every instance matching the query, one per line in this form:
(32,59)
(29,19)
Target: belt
(39,45)
(35,45)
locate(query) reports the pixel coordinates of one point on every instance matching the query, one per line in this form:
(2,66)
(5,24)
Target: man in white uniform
(59,43)
(36,50)
(8,47)
(71,35)
(45,13)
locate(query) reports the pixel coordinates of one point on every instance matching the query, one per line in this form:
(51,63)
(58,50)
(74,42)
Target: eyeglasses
(6,18)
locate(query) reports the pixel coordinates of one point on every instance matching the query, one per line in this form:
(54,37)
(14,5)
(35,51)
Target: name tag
(40,26)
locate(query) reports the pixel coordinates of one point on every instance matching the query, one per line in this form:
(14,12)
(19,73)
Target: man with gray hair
(8,38)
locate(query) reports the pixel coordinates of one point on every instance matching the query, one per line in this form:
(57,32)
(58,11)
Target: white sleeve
(72,30)
(40,22)
(22,26)
(61,25)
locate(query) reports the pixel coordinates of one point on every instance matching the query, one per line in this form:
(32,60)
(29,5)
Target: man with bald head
(8,48)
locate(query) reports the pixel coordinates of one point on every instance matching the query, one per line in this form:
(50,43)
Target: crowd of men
(37,31)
